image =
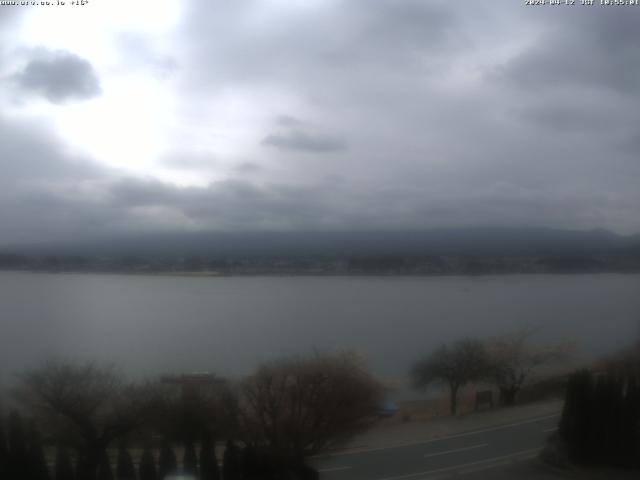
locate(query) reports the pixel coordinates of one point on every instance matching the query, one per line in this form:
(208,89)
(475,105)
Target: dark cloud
(594,49)
(576,113)
(128,204)
(31,152)
(297,140)
(404,29)
(134,192)
(59,77)
(326,43)
(300,136)
(248,168)
(46,193)
(289,121)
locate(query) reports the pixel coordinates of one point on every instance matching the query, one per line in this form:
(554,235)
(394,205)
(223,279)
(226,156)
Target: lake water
(157,324)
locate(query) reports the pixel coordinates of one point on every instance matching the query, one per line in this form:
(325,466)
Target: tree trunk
(454,399)
(508,395)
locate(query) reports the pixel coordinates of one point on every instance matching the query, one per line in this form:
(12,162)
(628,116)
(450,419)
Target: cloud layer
(339,115)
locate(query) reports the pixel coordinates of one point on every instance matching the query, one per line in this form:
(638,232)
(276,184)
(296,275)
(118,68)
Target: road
(456,454)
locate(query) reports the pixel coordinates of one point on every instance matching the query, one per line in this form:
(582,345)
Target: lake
(227,325)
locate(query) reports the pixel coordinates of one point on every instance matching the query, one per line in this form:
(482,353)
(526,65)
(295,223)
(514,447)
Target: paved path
(459,453)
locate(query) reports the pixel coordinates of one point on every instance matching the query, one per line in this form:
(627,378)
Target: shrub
(208,462)
(147,467)
(104,467)
(190,459)
(125,469)
(18,458)
(4,451)
(167,463)
(231,462)
(37,464)
(63,467)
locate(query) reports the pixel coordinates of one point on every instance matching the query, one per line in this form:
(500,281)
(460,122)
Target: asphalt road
(462,453)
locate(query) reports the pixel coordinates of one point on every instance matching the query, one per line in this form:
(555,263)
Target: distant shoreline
(196,274)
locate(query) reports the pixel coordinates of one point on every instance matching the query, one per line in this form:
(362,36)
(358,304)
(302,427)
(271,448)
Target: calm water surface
(160,323)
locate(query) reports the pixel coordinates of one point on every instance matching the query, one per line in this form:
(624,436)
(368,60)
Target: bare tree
(88,406)
(299,407)
(190,407)
(513,359)
(456,365)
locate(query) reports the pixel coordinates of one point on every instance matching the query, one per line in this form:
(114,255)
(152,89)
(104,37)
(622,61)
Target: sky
(121,117)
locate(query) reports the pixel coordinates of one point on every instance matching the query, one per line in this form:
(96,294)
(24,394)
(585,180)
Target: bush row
(22,456)
(600,422)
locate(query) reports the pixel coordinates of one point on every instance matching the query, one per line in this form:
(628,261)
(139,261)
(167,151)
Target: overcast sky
(126,116)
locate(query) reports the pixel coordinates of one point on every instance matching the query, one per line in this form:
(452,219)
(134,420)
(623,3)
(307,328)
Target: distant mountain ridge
(481,240)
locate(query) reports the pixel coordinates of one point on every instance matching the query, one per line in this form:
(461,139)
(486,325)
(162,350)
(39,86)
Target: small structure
(388,408)
(484,399)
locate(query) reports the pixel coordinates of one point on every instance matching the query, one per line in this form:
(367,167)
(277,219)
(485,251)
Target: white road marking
(491,429)
(463,449)
(487,463)
(550,430)
(505,460)
(458,435)
(333,469)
